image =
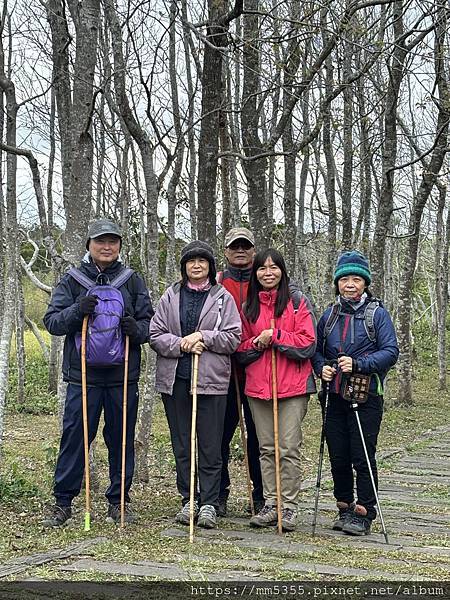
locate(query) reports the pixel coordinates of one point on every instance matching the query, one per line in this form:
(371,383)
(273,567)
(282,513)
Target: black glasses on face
(244,244)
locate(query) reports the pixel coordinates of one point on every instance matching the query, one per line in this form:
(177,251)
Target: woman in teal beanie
(356,336)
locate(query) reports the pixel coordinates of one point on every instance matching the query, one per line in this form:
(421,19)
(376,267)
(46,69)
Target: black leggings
(210,415)
(346,450)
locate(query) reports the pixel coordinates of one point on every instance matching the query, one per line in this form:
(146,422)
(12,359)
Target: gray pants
(291,412)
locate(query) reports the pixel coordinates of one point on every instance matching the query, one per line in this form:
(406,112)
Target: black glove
(87,304)
(129,326)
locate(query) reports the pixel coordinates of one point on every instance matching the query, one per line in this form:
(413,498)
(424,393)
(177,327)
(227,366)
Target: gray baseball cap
(102,227)
(239,233)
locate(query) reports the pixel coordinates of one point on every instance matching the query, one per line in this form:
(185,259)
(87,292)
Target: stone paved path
(417,515)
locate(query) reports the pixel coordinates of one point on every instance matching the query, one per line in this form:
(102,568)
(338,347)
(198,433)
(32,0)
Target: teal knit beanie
(352,263)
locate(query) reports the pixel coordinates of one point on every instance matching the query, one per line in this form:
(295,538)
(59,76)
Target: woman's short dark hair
(252,307)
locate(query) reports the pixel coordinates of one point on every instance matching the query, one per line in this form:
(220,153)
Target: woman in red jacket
(294,339)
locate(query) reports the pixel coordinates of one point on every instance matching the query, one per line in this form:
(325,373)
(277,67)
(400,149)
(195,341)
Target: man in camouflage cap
(239,253)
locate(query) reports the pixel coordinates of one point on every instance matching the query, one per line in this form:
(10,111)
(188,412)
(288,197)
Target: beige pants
(291,412)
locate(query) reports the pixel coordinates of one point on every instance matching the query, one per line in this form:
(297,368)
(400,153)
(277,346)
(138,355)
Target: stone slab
(150,569)
(19,565)
(369,574)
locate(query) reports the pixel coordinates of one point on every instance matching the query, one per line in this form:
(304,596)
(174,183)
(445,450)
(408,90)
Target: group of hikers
(238,323)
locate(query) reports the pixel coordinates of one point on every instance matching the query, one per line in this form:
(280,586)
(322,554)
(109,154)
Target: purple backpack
(105,344)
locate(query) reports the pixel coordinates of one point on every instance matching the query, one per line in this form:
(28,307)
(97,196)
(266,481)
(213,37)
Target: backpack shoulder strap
(331,322)
(122,277)
(81,278)
(369,314)
(296,297)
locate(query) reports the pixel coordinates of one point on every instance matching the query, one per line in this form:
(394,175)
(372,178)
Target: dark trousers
(210,414)
(70,464)
(230,424)
(346,450)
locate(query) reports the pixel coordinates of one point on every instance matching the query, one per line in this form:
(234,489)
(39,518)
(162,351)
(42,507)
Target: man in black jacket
(68,306)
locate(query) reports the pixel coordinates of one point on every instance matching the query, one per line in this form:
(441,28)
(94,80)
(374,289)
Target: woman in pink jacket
(294,339)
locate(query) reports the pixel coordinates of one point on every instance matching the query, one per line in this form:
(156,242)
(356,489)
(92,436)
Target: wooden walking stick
(243,439)
(275,433)
(193,436)
(124,431)
(87,516)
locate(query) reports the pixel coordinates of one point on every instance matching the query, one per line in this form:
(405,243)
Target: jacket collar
(268,297)
(239,274)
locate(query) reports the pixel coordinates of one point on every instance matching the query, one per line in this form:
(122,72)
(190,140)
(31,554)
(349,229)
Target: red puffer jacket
(294,338)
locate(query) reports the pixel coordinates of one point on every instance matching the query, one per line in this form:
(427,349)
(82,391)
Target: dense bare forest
(322,126)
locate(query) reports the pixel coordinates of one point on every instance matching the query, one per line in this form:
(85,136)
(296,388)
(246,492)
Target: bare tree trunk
(348,149)
(171,264)
(10,238)
(146,149)
(20,338)
(191,137)
(386,201)
(291,65)
(330,181)
(75,104)
(429,178)
(442,282)
(212,103)
(255,169)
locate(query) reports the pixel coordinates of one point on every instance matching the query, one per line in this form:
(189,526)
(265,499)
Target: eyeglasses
(240,244)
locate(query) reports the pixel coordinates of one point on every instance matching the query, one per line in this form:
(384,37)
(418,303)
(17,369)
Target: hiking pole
(321,451)
(243,440)
(87,516)
(275,433)
(124,431)
(193,436)
(354,405)
(322,447)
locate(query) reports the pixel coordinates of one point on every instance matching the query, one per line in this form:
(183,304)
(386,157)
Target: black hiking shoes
(222,508)
(345,514)
(114,514)
(58,516)
(357,525)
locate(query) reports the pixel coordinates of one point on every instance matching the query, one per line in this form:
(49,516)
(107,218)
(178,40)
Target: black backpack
(369,316)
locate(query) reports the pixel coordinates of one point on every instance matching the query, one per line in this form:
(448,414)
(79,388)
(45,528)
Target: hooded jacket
(63,317)
(220,326)
(294,339)
(349,336)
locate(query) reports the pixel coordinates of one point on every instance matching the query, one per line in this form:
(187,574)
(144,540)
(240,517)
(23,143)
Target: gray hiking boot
(357,525)
(114,514)
(58,516)
(345,515)
(207,517)
(266,517)
(183,516)
(288,519)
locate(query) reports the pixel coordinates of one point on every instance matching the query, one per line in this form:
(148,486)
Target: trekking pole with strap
(354,406)
(322,447)
(124,431)
(355,389)
(87,516)
(193,439)
(275,433)
(243,440)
